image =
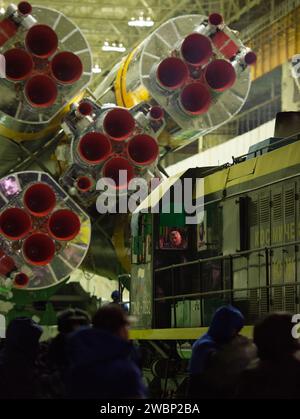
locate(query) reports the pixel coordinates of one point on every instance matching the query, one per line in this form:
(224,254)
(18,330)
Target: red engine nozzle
(24,8)
(112,170)
(220,75)
(250,58)
(215,19)
(41,91)
(15,223)
(66,67)
(39,249)
(41,41)
(39,199)
(196,49)
(195,98)
(19,64)
(143,149)
(156,113)
(84,183)
(64,225)
(21,280)
(85,108)
(119,124)
(172,73)
(94,147)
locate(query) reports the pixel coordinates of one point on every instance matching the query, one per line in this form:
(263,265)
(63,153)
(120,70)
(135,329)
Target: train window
(173,238)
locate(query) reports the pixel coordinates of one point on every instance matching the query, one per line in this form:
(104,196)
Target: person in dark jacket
(101,359)
(219,356)
(276,374)
(18,376)
(53,361)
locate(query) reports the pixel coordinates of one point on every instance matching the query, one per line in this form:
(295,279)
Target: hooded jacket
(226,323)
(220,356)
(102,366)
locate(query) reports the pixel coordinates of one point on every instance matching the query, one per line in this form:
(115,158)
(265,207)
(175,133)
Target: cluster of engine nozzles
(196,72)
(41,66)
(38,224)
(120,146)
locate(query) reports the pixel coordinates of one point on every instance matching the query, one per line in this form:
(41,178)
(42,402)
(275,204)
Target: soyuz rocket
(188,77)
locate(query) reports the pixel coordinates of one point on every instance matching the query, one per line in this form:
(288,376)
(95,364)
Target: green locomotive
(244,251)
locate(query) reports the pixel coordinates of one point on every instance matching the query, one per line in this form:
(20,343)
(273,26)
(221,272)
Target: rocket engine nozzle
(156,113)
(195,98)
(112,171)
(41,41)
(19,64)
(41,91)
(84,183)
(15,223)
(196,49)
(85,108)
(66,67)
(250,58)
(39,199)
(94,147)
(25,8)
(39,249)
(220,75)
(143,149)
(64,225)
(21,280)
(215,19)
(119,124)
(172,73)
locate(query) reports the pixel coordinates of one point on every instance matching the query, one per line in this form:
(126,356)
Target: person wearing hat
(101,359)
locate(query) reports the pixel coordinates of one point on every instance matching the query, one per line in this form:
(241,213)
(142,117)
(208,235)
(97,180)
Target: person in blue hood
(102,364)
(18,375)
(219,356)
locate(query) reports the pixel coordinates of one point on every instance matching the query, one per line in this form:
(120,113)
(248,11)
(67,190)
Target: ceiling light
(141,22)
(96,69)
(114,47)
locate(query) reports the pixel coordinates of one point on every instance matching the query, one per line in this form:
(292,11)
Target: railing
(262,293)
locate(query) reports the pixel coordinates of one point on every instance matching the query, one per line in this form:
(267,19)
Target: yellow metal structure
(192,333)
(277,44)
(124,97)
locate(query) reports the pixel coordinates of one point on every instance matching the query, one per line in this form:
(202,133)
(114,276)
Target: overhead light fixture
(2,10)
(96,69)
(141,22)
(114,47)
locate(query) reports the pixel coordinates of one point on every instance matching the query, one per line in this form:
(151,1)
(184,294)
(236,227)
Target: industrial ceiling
(105,24)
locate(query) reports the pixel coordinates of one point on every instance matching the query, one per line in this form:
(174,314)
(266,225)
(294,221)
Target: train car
(243,250)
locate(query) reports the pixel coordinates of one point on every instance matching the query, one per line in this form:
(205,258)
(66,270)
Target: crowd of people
(94,358)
